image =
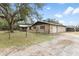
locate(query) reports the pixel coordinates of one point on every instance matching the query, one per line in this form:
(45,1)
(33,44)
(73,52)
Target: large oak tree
(13,13)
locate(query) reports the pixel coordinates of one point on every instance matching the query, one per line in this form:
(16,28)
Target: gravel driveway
(65,44)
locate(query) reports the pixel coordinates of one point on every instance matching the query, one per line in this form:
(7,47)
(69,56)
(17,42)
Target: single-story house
(47,27)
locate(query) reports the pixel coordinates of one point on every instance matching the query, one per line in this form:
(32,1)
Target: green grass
(19,39)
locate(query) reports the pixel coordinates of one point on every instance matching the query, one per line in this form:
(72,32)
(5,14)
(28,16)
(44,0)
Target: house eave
(48,23)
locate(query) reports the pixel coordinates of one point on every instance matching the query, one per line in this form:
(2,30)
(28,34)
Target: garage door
(53,29)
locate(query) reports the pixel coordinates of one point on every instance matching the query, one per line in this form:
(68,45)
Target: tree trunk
(11,28)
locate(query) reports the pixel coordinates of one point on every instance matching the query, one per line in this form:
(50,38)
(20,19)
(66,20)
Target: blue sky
(66,13)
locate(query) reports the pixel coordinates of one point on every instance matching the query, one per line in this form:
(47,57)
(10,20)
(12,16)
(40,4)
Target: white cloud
(69,10)
(48,8)
(76,10)
(61,3)
(71,22)
(61,21)
(58,15)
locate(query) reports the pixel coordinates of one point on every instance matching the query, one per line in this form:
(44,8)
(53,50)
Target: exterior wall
(45,30)
(57,29)
(48,28)
(32,29)
(64,29)
(61,29)
(53,29)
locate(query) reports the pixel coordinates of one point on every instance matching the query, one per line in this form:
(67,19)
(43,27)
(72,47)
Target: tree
(3,24)
(52,20)
(13,13)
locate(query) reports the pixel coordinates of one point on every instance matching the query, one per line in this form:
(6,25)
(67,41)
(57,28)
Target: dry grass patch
(77,33)
(19,38)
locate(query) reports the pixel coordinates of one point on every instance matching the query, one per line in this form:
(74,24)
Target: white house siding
(53,29)
(38,28)
(46,28)
(61,29)
(49,28)
(57,29)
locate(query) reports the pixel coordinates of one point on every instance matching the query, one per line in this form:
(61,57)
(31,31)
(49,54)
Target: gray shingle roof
(49,23)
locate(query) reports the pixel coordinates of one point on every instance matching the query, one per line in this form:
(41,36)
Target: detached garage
(47,27)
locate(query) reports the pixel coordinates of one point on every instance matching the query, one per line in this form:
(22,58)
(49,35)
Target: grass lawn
(19,39)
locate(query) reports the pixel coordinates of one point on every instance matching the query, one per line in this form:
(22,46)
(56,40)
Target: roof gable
(43,22)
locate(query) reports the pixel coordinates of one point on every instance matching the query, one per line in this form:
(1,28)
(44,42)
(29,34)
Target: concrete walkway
(65,44)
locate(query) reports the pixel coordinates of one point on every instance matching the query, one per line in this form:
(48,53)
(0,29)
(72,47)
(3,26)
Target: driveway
(65,44)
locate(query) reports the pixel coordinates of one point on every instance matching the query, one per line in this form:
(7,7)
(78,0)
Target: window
(42,27)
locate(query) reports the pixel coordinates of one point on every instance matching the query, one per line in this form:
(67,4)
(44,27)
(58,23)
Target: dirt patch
(65,42)
(76,33)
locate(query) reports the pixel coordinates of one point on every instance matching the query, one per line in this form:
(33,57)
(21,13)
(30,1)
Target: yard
(19,39)
(65,44)
(76,33)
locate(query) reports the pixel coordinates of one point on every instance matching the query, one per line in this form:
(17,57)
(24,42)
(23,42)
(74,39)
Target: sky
(66,13)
